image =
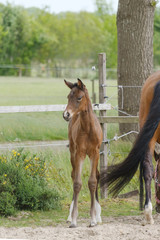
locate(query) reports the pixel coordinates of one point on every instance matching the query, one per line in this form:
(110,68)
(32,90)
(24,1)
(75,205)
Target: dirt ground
(119,228)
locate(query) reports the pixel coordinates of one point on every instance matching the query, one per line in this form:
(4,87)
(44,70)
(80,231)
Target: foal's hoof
(69,220)
(149,220)
(72,226)
(92,224)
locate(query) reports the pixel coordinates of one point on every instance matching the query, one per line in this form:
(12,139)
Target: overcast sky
(57,6)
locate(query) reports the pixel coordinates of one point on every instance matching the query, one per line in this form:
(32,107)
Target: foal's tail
(119,175)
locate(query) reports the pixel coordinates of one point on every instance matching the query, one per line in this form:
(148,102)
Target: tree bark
(135,53)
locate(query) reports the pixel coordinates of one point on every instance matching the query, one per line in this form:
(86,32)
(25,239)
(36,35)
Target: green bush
(7,203)
(24,184)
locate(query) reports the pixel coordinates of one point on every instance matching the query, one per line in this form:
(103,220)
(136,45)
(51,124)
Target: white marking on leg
(93,220)
(98,212)
(148,213)
(69,219)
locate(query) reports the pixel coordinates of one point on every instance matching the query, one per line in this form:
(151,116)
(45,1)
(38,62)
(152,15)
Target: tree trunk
(135,53)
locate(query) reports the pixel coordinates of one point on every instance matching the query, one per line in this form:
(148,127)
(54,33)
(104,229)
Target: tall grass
(59,178)
(60,174)
(60,170)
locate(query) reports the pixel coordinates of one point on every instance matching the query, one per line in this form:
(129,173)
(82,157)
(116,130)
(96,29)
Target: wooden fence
(45,108)
(104,119)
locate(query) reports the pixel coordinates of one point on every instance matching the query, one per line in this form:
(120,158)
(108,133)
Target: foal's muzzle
(66,116)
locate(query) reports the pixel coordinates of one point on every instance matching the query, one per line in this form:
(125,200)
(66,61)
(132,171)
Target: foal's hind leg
(148,174)
(98,207)
(92,184)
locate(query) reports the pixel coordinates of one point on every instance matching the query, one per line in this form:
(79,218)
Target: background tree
(33,35)
(156,42)
(105,12)
(135,52)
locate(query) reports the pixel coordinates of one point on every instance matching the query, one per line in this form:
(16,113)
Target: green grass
(110,208)
(59,170)
(39,91)
(29,126)
(51,126)
(58,164)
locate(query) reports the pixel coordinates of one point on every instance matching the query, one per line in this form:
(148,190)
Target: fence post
(102,94)
(93,91)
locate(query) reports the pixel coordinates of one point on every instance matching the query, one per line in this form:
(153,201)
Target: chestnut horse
(141,154)
(85,137)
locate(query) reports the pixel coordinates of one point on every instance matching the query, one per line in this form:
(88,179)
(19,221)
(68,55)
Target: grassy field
(51,126)
(59,170)
(38,91)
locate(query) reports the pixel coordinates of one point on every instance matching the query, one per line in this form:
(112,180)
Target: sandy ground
(127,228)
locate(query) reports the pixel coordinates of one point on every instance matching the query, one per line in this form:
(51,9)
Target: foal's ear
(80,84)
(69,84)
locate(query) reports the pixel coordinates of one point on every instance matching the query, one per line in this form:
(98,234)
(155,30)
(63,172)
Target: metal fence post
(102,94)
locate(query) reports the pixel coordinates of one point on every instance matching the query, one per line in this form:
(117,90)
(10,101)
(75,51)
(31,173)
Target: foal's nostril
(66,115)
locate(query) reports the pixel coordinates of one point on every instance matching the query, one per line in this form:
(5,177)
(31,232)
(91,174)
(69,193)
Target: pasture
(37,91)
(59,178)
(59,171)
(51,126)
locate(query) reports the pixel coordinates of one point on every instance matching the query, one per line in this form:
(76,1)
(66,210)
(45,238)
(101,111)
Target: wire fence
(44,70)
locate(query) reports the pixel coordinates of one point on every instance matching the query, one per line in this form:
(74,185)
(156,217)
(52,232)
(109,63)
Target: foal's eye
(79,99)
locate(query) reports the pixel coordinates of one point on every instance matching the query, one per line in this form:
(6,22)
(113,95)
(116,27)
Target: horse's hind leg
(157,181)
(148,175)
(92,184)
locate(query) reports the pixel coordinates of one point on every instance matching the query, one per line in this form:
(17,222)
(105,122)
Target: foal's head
(77,99)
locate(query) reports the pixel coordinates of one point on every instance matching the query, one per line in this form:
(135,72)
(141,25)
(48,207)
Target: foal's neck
(87,114)
(88,107)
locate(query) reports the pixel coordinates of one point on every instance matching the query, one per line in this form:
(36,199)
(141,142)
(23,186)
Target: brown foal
(85,137)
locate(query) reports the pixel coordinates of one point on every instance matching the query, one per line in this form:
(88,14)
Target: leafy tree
(44,39)
(105,12)
(14,43)
(72,39)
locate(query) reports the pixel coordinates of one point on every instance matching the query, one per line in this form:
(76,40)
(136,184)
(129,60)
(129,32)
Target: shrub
(7,203)
(24,184)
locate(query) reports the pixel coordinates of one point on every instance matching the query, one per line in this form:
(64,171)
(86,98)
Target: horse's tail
(118,176)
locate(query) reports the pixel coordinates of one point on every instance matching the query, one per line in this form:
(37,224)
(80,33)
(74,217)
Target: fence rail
(119,119)
(45,108)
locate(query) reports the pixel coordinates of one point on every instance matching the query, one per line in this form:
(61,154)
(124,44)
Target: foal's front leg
(77,184)
(69,219)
